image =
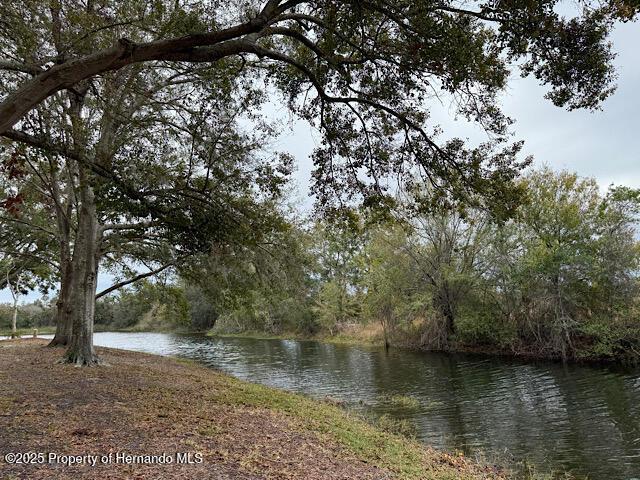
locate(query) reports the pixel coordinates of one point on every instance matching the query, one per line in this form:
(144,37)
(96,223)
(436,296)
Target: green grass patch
(396,426)
(404,457)
(405,402)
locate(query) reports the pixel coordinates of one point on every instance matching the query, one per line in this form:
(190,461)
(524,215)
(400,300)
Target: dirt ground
(148,405)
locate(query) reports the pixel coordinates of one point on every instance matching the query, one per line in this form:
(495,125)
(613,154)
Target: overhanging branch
(124,283)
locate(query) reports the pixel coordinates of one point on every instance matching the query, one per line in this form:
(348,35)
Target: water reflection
(583,419)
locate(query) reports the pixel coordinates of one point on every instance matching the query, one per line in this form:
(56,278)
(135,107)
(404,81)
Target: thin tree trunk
(14,320)
(451,324)
(14,294)
(444,304)
(385,321)
(386,338)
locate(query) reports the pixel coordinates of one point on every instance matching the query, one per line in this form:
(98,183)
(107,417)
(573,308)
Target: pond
(557,417)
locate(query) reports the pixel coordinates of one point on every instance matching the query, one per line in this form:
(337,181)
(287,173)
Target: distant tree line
(31,315)
(156,306)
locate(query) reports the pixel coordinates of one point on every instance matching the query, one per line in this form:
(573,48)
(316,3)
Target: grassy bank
(143,404)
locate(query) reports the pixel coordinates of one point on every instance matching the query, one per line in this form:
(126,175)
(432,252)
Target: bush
(483,325)
(608,339)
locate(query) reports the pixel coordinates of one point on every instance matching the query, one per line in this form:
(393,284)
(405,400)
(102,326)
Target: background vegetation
(559,280)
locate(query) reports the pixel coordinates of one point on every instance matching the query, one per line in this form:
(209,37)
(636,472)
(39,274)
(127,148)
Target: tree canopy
(362,72)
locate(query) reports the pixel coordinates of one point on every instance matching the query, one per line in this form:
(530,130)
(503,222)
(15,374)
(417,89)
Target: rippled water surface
(577,418)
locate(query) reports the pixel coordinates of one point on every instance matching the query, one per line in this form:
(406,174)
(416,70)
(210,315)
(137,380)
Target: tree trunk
(444,305)
(64,309)
(85,271)
(14,319)
(385,321)
(451,323)
(64,212)
(14,289)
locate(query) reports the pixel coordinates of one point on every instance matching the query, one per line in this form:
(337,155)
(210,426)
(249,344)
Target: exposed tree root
(81,359)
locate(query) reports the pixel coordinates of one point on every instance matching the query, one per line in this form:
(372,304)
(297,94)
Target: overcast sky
(603,144)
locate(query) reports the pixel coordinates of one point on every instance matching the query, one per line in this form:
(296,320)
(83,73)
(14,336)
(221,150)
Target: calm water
(582,419)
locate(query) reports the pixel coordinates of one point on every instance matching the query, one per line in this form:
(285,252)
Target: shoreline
(354,340)
(242,430)
(357,341)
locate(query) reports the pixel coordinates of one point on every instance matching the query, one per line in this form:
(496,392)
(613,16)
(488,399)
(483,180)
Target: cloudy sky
(603,144)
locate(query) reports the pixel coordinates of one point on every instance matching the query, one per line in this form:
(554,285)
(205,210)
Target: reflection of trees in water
(351,370)
(603,419)
(571,417)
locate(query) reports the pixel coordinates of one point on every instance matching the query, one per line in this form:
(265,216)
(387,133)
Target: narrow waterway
(557,417)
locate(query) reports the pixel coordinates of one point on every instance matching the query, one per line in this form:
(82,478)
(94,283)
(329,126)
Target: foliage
(571,258)
(334,306)
(402,402)
(559,280)
(202,313)
(32,315)
(267,287)
(363,72)
(146,306)
(394,290)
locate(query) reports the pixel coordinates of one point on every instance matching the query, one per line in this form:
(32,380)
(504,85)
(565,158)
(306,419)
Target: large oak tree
(148,165)
(364,71)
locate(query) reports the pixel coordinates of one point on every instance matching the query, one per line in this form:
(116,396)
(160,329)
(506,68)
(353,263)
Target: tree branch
(20,67)
(124,283)
(202,47)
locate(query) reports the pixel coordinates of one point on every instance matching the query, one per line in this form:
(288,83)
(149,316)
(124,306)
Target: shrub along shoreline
(368,336)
